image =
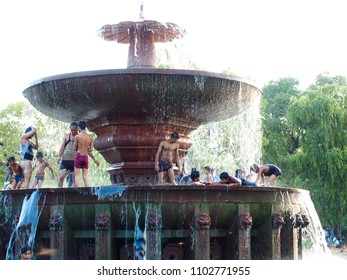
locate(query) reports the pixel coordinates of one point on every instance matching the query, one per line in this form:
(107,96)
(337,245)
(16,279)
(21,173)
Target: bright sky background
(261,39)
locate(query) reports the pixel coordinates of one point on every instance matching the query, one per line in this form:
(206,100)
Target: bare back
(17,169)
(83,143)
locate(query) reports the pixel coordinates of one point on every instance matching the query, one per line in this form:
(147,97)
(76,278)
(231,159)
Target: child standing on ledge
(40,166)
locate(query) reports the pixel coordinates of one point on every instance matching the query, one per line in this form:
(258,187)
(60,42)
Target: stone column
(154,225)
(290,237)
(58,233)
(277,223)
(268,242)
(202,233)
(103,233)
(245,222)
(305,223)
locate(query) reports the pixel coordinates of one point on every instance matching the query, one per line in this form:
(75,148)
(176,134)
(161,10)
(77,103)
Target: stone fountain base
(178,222)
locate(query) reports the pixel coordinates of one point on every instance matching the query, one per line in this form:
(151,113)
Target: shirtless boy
(164,157)
(18,172)
(40,166)
(83,145)
(195,176)
(226,179)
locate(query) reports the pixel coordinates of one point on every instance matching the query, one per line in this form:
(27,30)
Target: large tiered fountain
(131,110)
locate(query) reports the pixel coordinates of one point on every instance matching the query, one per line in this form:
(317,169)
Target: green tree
(279,137)
(319,163)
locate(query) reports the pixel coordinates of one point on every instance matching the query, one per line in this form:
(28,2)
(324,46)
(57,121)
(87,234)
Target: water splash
(108,191)
(313,235)
(139,237)
(25,231)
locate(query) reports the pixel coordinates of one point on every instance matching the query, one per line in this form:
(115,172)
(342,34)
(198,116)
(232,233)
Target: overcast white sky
(262,39)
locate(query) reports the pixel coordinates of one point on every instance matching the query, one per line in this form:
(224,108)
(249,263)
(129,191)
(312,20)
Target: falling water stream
(313,233)
(139,236)
(24,232)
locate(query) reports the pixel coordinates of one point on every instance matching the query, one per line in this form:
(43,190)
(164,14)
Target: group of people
(169,149)
(76,147)
(240,178)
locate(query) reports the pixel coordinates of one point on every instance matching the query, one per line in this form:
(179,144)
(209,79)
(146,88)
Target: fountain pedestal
(131,148)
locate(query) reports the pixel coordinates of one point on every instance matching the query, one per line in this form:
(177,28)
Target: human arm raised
(36,144)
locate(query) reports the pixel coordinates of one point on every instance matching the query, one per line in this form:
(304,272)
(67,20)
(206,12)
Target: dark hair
(195,174)
(175,135)
(207,168)
(224,175)
(39,154)
(254,167)
(28,129)
(24,249)
(82,124)
(11,158)
(73,124)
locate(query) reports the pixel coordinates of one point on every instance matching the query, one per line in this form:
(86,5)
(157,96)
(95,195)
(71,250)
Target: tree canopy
(305,135)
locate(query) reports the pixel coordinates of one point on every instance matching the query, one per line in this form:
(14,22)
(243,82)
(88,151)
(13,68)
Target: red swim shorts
(81,161)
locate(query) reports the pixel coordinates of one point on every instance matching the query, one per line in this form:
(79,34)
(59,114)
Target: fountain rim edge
(142,70)
(165,188)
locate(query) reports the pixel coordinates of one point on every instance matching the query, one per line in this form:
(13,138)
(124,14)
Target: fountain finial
(141,12)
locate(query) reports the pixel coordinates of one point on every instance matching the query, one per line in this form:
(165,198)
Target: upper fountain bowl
(142,95)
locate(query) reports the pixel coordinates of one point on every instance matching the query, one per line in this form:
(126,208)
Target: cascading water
(139,236)
(313,235)
(25,231)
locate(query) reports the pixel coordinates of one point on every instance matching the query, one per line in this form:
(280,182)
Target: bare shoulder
(162,143)
(65,137)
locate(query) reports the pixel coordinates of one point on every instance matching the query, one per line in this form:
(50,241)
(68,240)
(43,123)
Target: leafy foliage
(279,137)
(306,137)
